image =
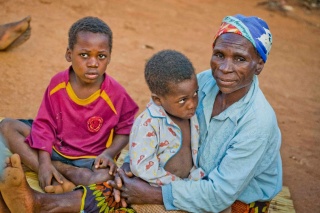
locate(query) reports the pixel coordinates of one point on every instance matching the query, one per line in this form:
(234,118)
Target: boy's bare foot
(58,188)
(15,33)
(14,188)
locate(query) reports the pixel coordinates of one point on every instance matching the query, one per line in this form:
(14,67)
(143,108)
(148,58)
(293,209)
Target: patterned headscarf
(252,28)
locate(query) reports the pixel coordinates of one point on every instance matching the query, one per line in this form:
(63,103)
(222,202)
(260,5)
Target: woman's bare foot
(14,188)
(3,206)
(15,33)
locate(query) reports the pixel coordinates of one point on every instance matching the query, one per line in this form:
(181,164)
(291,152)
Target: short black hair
(89,24)
(164,67)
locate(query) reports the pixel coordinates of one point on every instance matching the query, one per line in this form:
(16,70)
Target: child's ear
(68,55)
(156,99)
(260,66)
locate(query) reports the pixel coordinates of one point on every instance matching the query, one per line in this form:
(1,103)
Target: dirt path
(290,79)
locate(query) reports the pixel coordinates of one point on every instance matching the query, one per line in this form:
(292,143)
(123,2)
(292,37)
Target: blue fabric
(167,197)
(4,153)
(239,150)
(82,163)
(255,30)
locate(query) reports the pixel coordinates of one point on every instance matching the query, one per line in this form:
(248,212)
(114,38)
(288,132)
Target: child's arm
(144,149)
(106,158)
(47,170)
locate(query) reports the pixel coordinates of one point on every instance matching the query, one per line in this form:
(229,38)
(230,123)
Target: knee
(9,125)
(6,124)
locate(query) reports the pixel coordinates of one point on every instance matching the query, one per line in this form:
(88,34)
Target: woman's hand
(134,190)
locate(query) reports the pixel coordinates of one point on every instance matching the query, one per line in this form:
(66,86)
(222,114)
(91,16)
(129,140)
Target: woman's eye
(239,59)
(219,55)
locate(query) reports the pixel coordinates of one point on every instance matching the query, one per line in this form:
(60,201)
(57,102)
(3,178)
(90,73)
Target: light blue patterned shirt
(239,150)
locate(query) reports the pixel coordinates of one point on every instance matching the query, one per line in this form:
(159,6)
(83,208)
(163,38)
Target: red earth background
(290,79)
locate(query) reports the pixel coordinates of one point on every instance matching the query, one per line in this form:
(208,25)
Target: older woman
(240,137)
(239,147)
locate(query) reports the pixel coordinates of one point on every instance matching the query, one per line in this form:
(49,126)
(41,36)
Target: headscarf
(252,28)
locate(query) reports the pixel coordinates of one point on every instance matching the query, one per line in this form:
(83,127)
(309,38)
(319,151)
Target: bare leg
(19,197)
(82,176)
(15,33)
(15,132)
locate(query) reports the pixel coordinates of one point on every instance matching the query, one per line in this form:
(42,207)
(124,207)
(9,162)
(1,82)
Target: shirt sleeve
(128,110)
(167,197)
(43,130)
(143,146)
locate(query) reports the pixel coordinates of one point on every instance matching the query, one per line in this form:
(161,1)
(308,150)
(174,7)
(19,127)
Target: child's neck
(83,90)
(179,121)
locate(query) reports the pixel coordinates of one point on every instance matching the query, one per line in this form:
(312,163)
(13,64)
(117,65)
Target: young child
(164,139)
(85,116)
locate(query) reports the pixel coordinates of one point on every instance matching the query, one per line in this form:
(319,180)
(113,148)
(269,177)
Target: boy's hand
(46,173)
(103,161)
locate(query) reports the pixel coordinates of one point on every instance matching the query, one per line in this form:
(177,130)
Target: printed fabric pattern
(154,140)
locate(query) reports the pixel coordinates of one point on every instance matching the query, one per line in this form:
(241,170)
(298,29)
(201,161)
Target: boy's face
(182,99)
(89,57)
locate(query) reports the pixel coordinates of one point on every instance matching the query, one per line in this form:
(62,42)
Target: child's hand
(103,161)
(46,174)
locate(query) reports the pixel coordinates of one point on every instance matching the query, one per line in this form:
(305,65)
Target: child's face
(182,100)
(90,57)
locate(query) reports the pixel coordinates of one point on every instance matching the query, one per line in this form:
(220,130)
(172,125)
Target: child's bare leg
(82,176)
(15,33)
(15,132)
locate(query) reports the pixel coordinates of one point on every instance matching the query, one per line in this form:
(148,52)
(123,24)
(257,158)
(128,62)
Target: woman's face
(234,62)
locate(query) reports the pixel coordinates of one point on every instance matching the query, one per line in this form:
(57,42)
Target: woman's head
(240,49)
(252,28)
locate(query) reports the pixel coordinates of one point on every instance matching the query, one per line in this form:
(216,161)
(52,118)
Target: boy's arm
(43,131)
(143,151)
(106,158)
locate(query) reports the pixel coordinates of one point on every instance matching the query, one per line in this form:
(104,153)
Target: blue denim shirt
(239,150)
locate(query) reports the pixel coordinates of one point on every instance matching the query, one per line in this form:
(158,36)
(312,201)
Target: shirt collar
(157,111)
(233,112)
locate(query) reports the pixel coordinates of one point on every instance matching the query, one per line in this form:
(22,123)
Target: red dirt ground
(290,79)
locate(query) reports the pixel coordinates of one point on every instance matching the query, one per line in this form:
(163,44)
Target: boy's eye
(182,101)
(102,56)
(85,55)
(195,93)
